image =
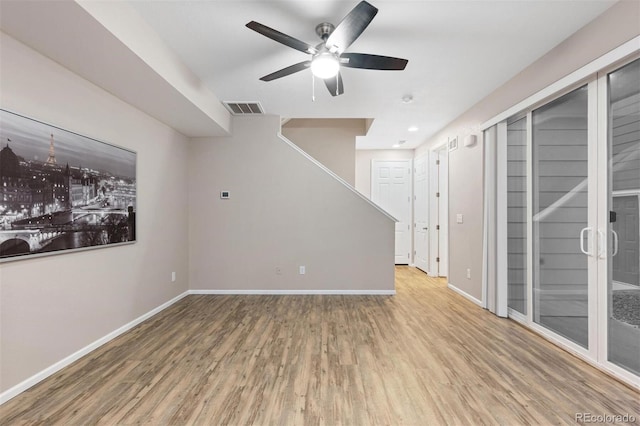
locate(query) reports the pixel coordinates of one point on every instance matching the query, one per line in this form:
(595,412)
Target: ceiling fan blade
(335,86)
(372,62)
(351,27)
(287,71)
(282,38)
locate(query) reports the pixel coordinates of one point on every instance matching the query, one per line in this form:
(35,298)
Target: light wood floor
(426,356)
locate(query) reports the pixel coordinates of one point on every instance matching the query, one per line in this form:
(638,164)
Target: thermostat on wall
(224,194)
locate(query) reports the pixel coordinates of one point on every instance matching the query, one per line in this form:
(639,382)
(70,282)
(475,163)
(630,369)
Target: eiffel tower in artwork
(51,161)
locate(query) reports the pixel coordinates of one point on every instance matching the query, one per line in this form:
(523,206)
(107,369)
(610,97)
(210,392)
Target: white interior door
(421,214)
(391,190)
(438,212)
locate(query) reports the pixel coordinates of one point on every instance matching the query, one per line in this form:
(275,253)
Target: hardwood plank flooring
(425,356)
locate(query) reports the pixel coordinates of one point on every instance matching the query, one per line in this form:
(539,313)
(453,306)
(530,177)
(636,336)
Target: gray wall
(284,212)
(51,307)
(465,197)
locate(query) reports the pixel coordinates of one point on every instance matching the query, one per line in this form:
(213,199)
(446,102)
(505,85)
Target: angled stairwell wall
(331,141)
(285,210)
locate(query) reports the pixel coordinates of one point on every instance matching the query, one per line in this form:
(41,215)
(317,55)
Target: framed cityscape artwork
(61,191)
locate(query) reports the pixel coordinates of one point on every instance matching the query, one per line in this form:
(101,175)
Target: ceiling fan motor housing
(324,30)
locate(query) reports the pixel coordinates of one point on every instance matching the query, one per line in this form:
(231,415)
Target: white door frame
(424,266)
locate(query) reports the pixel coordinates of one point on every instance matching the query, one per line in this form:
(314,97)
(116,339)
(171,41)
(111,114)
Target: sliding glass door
(560,216)
(623,196)
(571,219)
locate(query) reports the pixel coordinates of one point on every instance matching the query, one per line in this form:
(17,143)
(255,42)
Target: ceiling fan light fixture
(325,65)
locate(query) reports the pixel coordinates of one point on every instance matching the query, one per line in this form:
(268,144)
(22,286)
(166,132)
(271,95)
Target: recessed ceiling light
(395,145)
(413,129)
(407,99)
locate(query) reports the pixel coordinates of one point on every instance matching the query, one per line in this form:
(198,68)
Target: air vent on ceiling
(244,108)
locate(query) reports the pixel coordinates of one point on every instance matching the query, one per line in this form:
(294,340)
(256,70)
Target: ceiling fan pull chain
(313,88)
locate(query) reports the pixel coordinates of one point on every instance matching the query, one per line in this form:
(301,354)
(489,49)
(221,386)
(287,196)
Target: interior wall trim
(38,377)
(297,292)
(465,294)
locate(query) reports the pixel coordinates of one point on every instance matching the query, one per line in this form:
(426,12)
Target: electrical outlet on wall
(303,270)
(468,273)
(173,277)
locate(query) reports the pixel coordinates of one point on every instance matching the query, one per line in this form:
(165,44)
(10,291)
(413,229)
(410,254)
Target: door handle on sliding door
(615,243)
(582,232)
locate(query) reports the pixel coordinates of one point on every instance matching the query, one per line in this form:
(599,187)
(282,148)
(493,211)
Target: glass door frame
(589,353)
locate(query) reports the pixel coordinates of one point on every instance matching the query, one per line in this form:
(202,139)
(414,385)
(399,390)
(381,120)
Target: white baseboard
(38,377)
(296,292)
(465,294)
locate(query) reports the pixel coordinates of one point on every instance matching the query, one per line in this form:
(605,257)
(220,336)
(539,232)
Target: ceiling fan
(328,56)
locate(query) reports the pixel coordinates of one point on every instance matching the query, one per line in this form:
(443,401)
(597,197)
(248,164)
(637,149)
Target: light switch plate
(459,218)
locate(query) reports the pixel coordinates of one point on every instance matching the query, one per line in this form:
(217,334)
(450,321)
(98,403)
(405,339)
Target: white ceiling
(458,52)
